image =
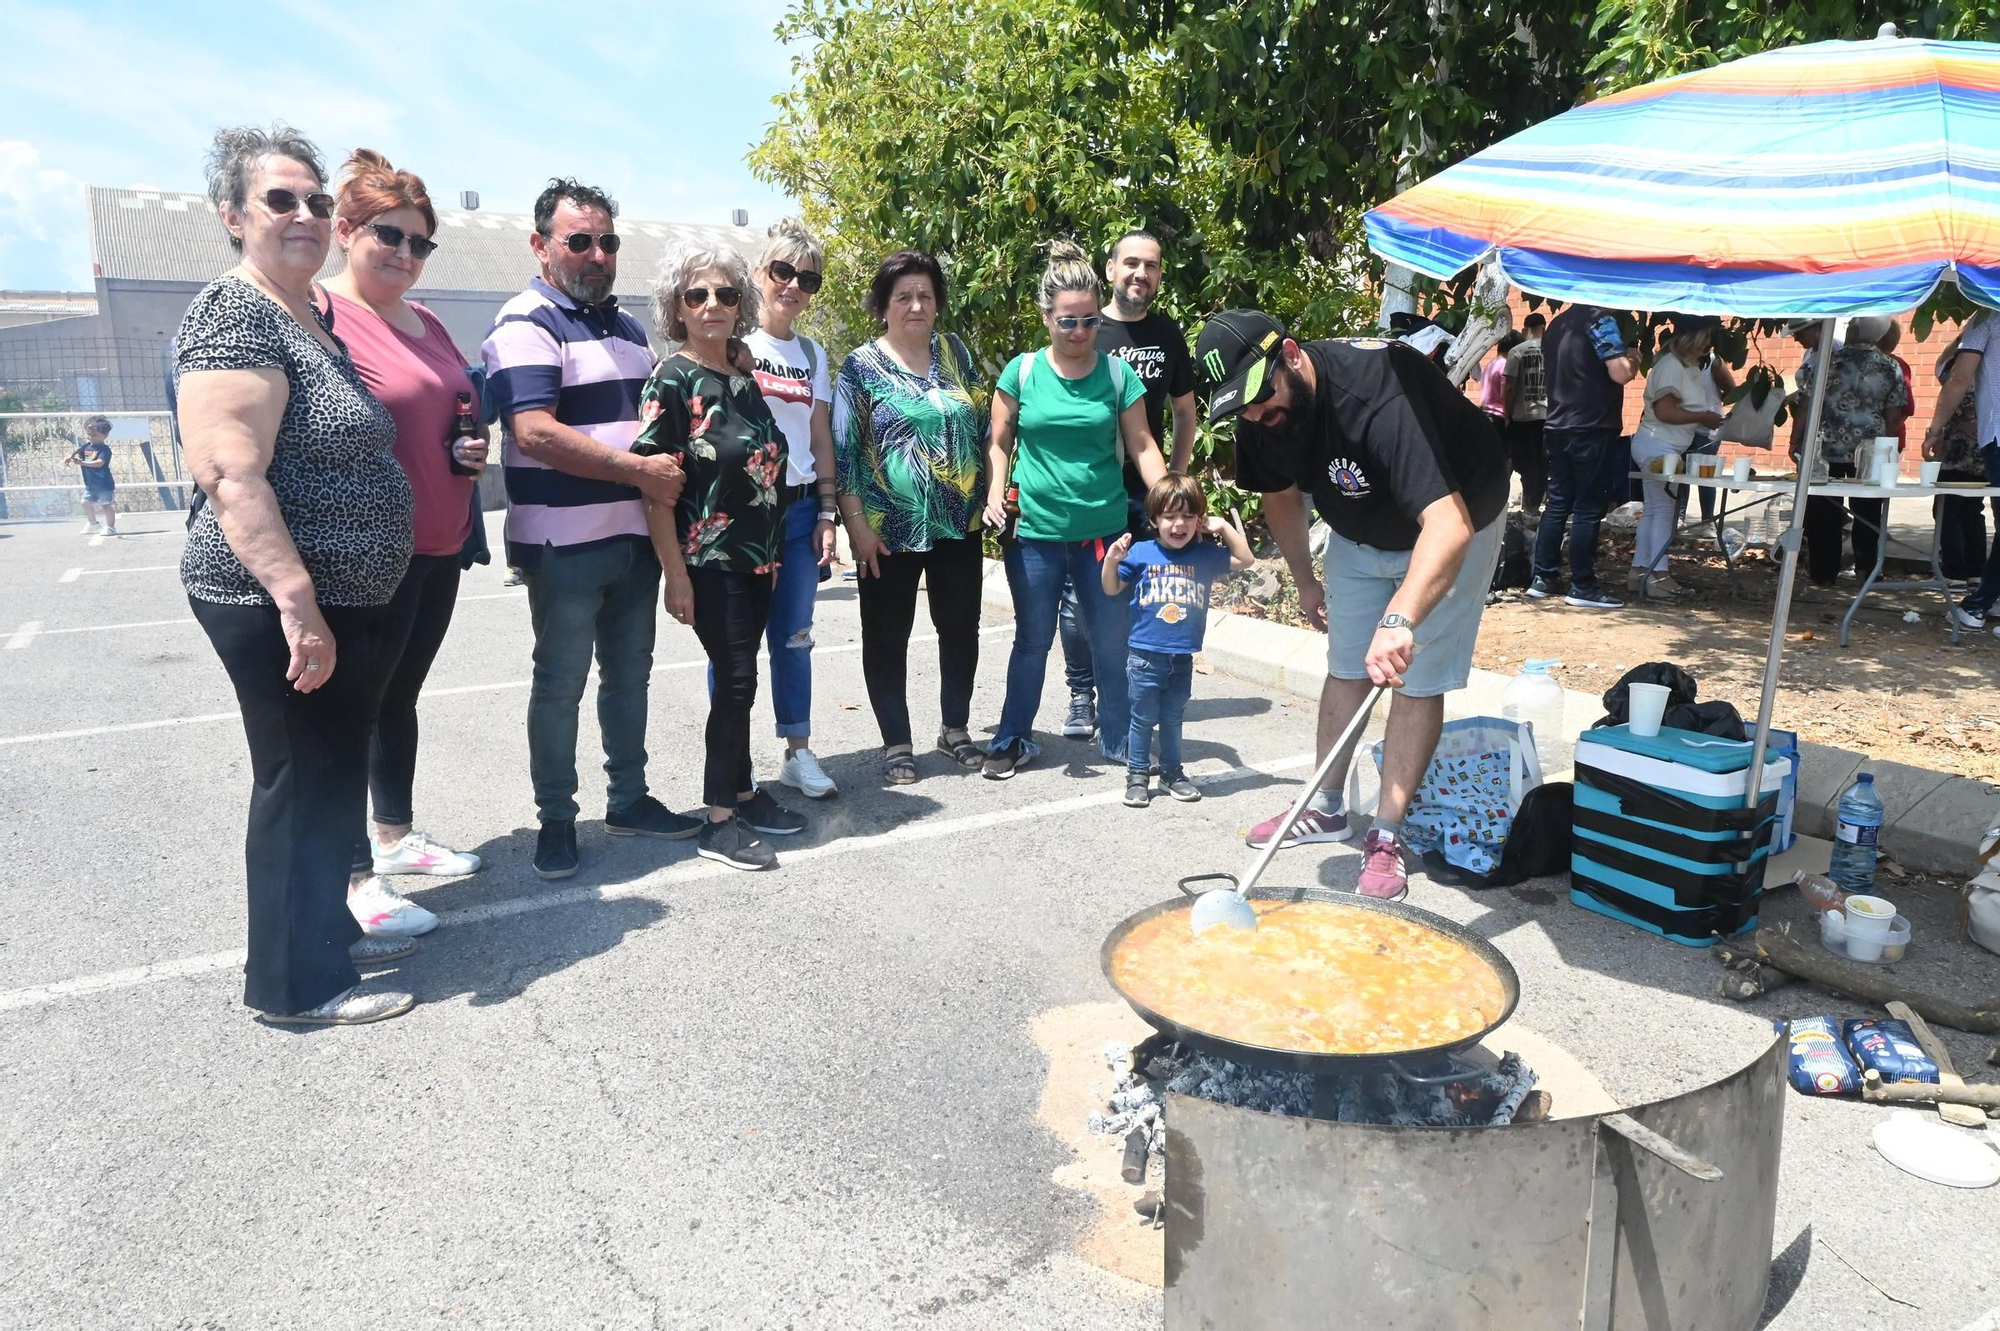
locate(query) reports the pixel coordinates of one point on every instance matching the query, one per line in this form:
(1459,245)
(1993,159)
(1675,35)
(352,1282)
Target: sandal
(963,752)
(899,769)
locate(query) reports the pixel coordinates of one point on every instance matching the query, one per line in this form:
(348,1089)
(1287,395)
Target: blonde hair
(788,238)
(1070,269)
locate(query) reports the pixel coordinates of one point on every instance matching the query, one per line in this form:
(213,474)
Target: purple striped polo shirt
(587,364)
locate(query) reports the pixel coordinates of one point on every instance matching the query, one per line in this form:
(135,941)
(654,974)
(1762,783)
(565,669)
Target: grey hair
(683,261)
(234,156)
(1070,269)
(788,238)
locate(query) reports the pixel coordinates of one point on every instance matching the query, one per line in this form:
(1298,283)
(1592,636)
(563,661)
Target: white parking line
(649,885)
(33,628)
(70,575)
(24,635)
(97,540)
(165,723)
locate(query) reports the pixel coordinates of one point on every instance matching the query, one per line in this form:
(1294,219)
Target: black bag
(1537,845)
(1717,718)
(1515,567)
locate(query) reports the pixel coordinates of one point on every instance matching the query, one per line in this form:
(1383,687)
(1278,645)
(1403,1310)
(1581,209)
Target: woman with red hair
(386,227)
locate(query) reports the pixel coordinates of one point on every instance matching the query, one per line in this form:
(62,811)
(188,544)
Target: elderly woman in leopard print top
(300,537)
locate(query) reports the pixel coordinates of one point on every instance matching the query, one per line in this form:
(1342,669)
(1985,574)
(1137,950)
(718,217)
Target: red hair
(372,187)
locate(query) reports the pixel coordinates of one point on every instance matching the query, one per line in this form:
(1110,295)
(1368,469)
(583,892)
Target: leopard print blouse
(342,493)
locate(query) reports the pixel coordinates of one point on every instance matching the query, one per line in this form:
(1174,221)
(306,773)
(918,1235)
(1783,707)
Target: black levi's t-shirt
(1393,436)
(1157,350)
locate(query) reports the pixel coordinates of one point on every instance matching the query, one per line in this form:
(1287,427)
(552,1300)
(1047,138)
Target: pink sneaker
(1382,874)
(1312,826)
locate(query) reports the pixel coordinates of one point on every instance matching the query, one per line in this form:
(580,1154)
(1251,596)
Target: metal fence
(35,484)
(84,373)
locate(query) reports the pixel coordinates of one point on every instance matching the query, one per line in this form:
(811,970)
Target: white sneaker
(89,529)
(383,914)
(417,853)
(803,773)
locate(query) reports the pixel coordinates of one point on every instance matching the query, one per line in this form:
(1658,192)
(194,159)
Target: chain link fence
(35,483)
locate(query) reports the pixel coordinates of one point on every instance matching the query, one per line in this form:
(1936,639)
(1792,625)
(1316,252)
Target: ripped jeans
(789,632)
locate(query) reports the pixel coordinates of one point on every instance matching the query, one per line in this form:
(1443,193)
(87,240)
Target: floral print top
(1865,386)
(731,511)
(912,447)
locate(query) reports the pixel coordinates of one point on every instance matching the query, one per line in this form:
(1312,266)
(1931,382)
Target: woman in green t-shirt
(1064,419)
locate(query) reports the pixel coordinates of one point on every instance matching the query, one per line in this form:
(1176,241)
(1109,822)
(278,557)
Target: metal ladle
(1230,906)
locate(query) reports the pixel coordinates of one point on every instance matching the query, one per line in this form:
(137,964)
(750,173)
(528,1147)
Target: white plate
(1918,1144)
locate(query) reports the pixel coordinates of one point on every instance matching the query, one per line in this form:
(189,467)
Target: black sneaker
(733,842)
(1081,723)
(1138,790)
(1002,763)
(646,816)
(1541,589)
(1182,789)
(555,850)
(1592,598)
(766,815)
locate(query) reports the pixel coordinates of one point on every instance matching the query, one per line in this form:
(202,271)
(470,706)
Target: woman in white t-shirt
(793,375)
(1677,404)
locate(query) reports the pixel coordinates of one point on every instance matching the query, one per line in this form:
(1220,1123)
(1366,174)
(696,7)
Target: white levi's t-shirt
(792,382)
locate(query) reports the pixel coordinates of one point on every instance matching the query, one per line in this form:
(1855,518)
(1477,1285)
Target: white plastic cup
(1930,472)
(1869,922)
(1645,705)
(1670,464)
(1740,469)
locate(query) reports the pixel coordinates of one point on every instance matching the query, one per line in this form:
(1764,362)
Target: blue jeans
(789,632)
(1988,591)
(1579,484)
(1159,684)
(1035,574)
(1075,644)
(604,598)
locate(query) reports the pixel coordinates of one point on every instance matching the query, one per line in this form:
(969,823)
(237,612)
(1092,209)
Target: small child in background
(1170,577)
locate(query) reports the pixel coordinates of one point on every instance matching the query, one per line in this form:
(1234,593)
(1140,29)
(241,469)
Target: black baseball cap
(1235,351)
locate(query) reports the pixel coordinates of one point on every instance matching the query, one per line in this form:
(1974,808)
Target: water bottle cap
(1866,778)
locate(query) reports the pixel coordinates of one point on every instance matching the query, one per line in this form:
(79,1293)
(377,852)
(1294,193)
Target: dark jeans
(951,571)
(1075,641)
(1961,525)
(1580,482)
(601,598)
(419,614)
(309,791)
(730,612)
(1825,516)
(1988,591)
(1159,684)
(1035,573)
(1524,455)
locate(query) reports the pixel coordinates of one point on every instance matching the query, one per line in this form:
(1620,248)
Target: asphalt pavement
(666,1093)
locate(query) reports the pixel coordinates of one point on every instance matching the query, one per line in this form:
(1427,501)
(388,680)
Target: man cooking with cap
(1412,479)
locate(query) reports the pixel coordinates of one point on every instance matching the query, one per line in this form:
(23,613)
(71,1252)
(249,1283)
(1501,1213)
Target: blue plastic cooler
(1662,839)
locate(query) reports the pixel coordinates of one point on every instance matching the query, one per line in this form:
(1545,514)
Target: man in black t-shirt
(1156,349)
(1412,477)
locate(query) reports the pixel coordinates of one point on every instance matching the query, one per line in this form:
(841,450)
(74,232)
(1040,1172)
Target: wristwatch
(1392,620)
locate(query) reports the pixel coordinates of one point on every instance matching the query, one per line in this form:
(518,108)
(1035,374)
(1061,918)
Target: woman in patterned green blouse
(909,431)
(719,544)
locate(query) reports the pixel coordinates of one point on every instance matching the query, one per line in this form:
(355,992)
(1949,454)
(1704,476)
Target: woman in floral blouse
(719,545)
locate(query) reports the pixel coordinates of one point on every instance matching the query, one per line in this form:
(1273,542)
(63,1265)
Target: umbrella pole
(1788,571)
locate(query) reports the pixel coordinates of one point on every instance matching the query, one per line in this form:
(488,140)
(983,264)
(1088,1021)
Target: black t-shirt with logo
(1393,436)
(1157,350)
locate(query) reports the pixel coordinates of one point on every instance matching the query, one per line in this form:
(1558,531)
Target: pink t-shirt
(1493,388)
(418,379)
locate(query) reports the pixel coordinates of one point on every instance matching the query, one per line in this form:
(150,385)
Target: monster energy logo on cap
(1235,351)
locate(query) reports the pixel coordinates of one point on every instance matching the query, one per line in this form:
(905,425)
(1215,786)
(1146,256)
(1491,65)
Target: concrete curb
(1934,821)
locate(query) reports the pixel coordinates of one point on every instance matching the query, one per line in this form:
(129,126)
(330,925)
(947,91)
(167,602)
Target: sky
(657,102)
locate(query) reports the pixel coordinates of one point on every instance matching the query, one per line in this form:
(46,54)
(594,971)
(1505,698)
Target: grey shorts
(1360,580)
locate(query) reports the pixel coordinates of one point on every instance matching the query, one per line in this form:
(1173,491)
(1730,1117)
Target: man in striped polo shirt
(565,368)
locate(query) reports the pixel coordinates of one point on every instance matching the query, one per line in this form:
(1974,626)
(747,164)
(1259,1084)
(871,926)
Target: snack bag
(1889,1047)
(1821,1064)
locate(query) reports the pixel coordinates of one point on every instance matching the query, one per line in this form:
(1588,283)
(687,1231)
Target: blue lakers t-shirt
(1170,593)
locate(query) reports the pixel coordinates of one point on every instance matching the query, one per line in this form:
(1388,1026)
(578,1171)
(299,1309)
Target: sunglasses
(696,297)
(284,203)
(579,242)
(1069,323)
(782,272)
(421,247)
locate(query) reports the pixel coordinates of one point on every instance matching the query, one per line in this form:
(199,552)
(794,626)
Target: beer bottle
(1011,504)
(463,427)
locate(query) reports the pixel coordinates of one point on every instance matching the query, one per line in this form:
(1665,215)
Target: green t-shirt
(1066,447)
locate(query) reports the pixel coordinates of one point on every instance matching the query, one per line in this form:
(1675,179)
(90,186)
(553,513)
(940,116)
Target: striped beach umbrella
(1836,178)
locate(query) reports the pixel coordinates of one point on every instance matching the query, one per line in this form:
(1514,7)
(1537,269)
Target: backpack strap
(812,360)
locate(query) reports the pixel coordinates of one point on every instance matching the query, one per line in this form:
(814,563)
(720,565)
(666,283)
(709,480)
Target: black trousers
(730,612)
(309,784)
(419,616)
(1825,515)
(1524,455)
(951,571)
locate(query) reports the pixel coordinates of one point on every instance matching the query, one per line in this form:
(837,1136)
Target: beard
(588,285)
(1296,425)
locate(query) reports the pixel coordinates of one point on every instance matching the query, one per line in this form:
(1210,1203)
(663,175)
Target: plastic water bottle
(1535,697)
(1855,835)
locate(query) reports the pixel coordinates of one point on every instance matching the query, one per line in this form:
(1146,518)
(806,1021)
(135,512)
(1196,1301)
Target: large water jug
(1535,697)
(1855,834)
